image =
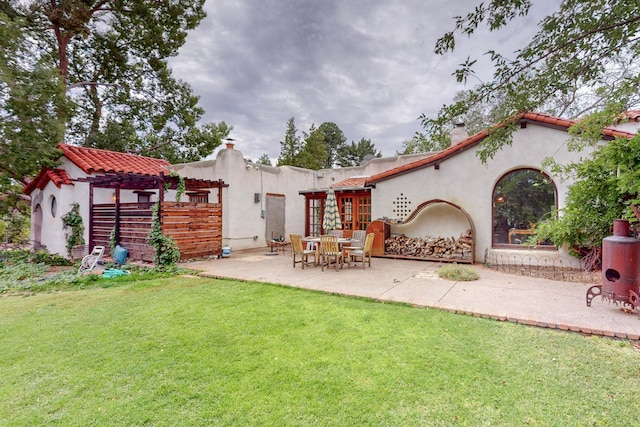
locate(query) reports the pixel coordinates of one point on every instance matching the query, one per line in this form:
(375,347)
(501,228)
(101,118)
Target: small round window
(54,206)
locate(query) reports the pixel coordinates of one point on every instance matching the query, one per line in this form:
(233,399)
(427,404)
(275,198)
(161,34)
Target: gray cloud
(366,65)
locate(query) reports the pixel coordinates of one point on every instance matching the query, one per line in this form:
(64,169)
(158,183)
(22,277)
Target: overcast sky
(367,66)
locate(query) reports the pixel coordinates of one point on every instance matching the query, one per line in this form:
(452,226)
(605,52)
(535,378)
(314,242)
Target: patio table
(277,245)
(341,240)
(316,240)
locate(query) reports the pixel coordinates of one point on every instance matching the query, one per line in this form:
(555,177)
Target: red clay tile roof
(474,140)
(93,160)
(57,176)
(633,115)
(351,182)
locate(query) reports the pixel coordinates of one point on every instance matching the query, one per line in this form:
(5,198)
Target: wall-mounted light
(113,197)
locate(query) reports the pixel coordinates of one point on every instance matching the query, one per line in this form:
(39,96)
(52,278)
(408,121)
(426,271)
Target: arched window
(521,199)
(54,206)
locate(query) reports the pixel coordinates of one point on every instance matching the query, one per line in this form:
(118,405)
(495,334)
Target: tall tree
(111,56)
(290,147)
(314,150)
(32,104)
(587,46)
(334,140)
(354,154)
(264,160)
(437,136)
(576,48)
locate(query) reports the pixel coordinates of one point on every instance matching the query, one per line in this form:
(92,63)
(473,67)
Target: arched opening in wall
(436,230)
(37,225)
(521,199)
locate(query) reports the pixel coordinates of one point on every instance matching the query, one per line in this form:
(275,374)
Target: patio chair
(298,249)
(90,261)
(363,255)
(337,233)
(357,240)
(330,251)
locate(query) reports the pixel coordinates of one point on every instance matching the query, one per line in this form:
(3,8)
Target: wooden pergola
(195,226)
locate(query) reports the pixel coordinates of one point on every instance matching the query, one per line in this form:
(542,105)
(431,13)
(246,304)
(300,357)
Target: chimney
(458,134)
(230,143)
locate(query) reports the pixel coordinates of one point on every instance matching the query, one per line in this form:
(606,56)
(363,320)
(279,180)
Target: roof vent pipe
(458,134)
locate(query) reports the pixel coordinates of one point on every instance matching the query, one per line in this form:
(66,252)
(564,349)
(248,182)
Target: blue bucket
(226,252)
(120,254)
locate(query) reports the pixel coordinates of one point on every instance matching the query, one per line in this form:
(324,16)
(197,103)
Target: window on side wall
(199,197)
(144,196)
(54,206)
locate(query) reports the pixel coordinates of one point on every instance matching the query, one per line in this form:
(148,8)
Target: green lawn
(200,352)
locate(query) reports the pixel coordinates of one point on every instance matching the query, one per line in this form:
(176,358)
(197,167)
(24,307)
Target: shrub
(458,273)
(73,221)
(44,257)
(14,255)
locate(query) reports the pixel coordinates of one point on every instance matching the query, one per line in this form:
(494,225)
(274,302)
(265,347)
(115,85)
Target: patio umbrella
(331,219)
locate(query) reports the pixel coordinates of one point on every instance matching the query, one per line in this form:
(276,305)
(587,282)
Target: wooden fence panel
(196,228)
(104,219)
(135,225)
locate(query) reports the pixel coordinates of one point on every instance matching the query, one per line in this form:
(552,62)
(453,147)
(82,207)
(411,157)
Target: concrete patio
(496,295)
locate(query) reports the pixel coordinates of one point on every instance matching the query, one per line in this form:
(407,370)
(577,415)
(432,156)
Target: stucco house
(452,191)
(448,193)
(263,202)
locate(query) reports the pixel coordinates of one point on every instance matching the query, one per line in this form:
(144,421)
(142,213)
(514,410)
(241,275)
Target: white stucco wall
(53,236)
(243,222)
(437,220)
(630,126)
(243,225)
(464,181)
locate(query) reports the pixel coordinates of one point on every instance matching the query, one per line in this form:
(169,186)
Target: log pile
(445,248)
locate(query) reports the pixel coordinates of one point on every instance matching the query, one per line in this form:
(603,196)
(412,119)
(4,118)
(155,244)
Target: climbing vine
(112,239)
(165,248)
(73,221)
(181,188)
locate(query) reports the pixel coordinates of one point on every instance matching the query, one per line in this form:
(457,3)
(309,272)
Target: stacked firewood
(448,248)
